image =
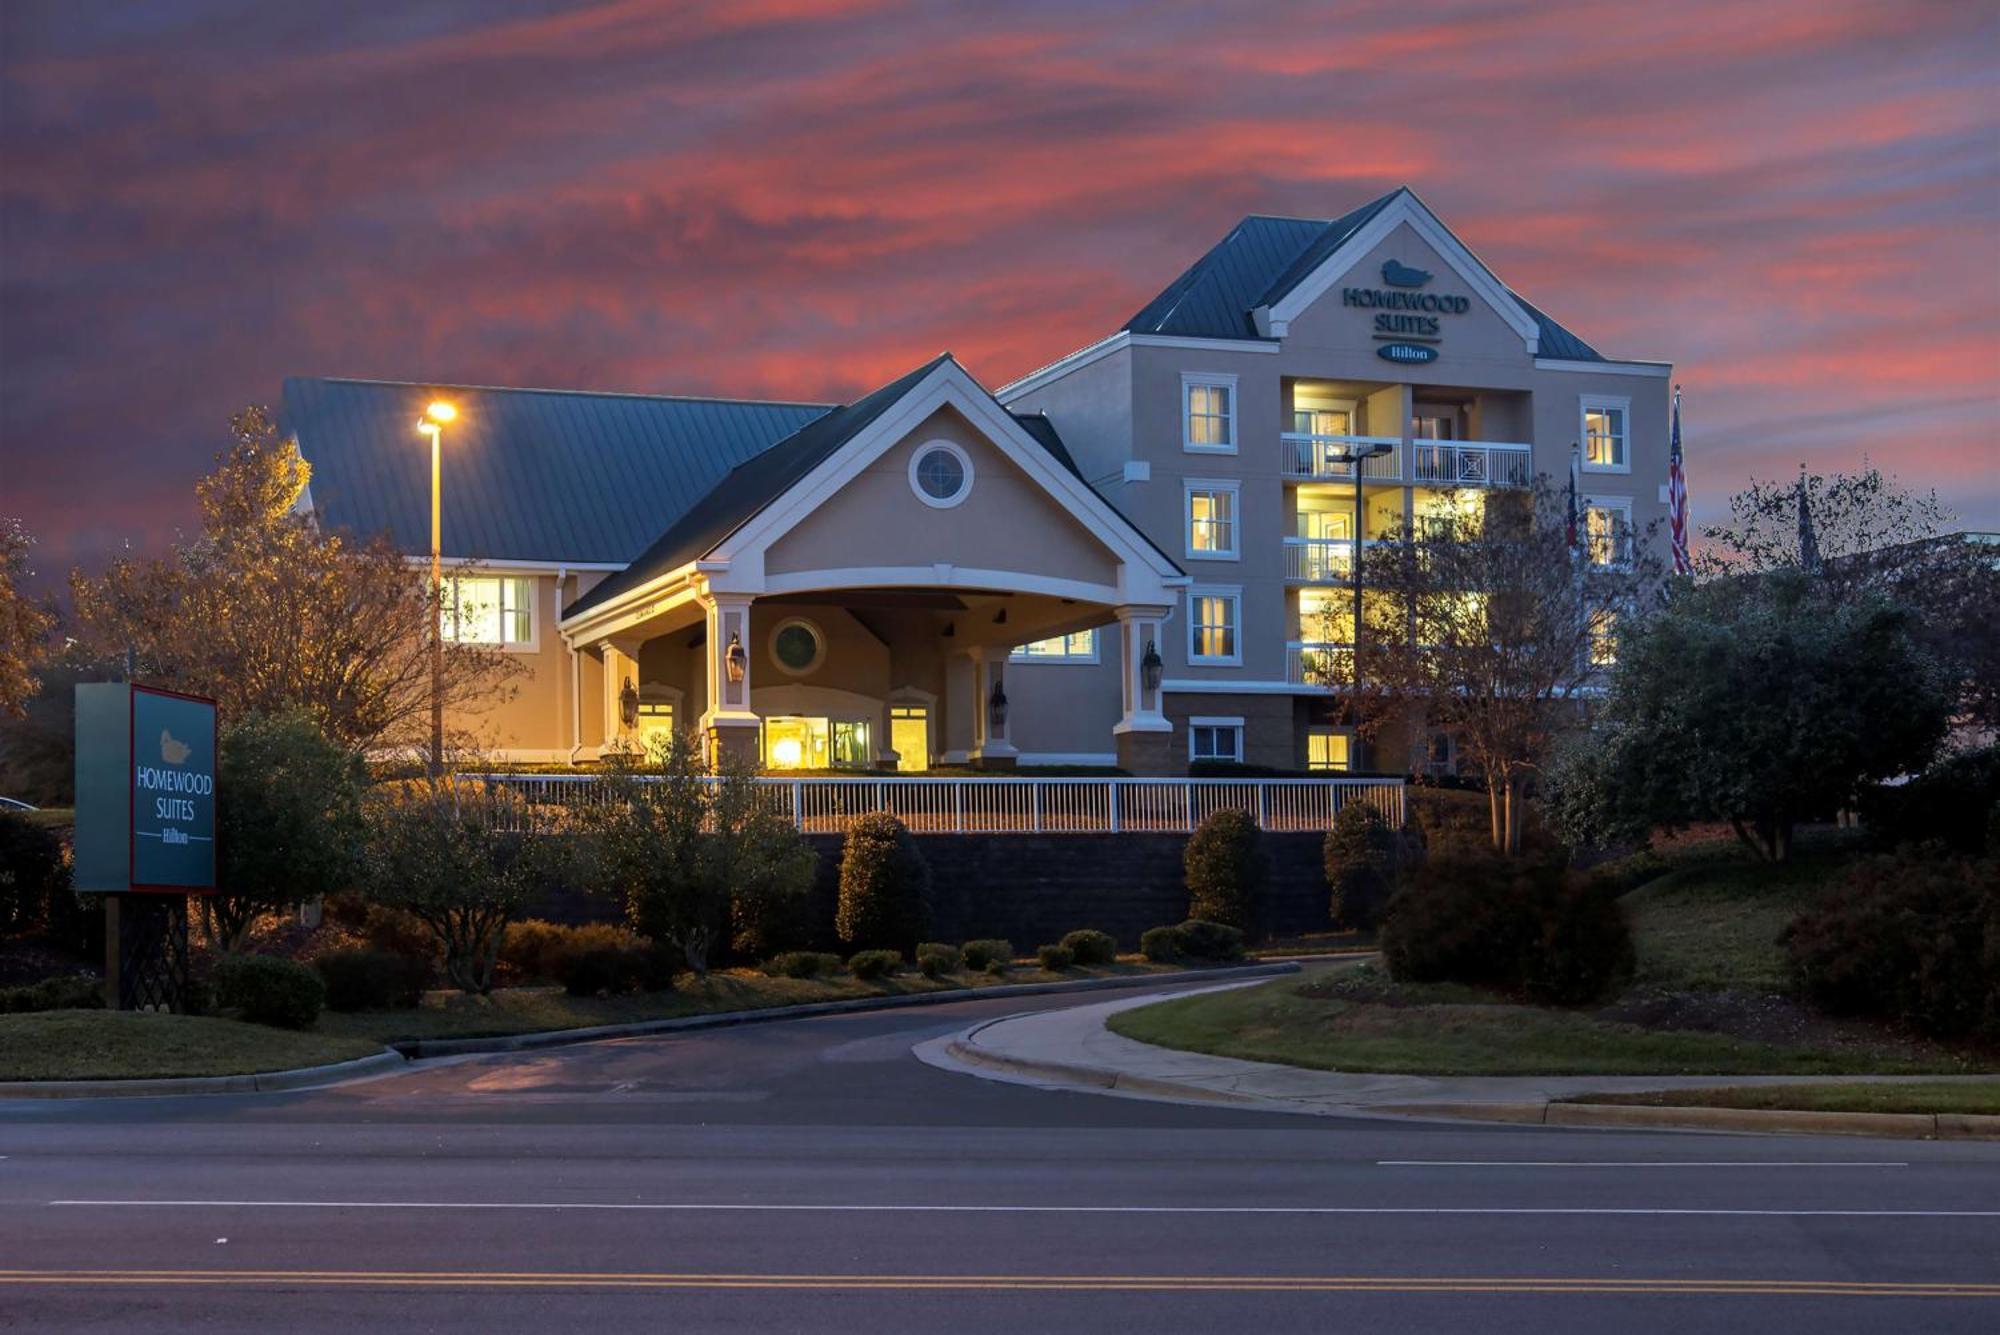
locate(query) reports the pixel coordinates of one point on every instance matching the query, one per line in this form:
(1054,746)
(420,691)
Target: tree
(266,612)
(287,820)
(1762,703)
(885,886)
(692,849)
(1484,621)
(25,622)
(461,857)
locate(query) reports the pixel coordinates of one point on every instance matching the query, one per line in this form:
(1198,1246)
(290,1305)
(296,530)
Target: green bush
(367,979)
(1226,869)
(1161,945)
(1088,947)
(1913,938)
(1949,803)
(1512,924)
(269,990)
(593,970)
(1210,942)
(1364,860)
(935,959)
(534,951)
(73,992)
(885,886)
(869,964)
(32,873)
(803,964)
(986,952)
(1055,958)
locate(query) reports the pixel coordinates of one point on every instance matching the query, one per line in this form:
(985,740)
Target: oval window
(797,647)
(941,474)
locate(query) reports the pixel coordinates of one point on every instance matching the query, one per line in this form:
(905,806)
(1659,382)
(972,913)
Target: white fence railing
(823,805)
(1318,560)
(1318,663)
(1308,456)
(1471,463)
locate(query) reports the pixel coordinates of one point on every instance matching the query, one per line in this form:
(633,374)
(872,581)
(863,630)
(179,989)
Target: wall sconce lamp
(996,708)
(628,705)
(734,660)
(1150,667)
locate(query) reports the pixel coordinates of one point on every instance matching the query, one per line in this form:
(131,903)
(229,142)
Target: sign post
(145,830)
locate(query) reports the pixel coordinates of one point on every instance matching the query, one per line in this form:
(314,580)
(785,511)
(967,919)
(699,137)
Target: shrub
(1089,947)
(935,959)
(803,964)
(987,952)
(1226,869)
(1913,938)
(1212,942)
(535,951)
(32,873)
(885,886)
(1161,945)
(1950,802)
(73,992)
(1055,958)
(1363,858)
(366,979)
(1511,924)
(587,971)
(874,963)
(269,990)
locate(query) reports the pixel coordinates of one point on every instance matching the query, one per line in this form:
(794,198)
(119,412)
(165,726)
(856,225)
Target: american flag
(1570,496)
(1677,493)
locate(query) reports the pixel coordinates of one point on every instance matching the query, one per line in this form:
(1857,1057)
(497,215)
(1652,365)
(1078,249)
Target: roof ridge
(575,393)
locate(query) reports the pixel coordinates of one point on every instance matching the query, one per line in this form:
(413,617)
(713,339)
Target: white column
(989,672)
(621,668)
(1138,628)
(729,721)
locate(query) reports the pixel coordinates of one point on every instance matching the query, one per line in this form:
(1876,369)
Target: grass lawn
(107,1045)
(1454,1031)
(1934,1096)
(528,1010)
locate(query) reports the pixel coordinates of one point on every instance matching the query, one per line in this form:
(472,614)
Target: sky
(1795,201)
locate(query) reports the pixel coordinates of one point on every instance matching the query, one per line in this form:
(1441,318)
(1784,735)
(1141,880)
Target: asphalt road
(812,1176)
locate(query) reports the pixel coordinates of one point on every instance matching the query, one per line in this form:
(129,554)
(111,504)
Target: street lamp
(1354,455)
(432,424)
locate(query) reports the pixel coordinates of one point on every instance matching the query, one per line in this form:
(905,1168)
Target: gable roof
(529,474)
(1262,259)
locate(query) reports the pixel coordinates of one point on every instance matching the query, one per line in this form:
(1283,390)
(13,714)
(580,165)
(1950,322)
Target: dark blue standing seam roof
(529,475)
(1261,260)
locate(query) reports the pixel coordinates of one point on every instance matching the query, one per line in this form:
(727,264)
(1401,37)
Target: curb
(300,1077)
(550,1038)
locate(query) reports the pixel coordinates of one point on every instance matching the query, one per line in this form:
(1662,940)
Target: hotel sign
(1408,322)
(145,790)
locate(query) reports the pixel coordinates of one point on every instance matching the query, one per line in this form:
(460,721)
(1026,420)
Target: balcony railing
(1317,457)
(1471,463)
(1011,806)
(1319,560)
(1319,663)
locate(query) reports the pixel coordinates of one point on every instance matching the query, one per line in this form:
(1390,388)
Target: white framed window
(1329,751)
(1209,514)
(1079,647)
(1215,739)
(1603,638)
(1208,413)
(940,474)
(1607,530)
(489,609)
(1607,424)
(1215,634)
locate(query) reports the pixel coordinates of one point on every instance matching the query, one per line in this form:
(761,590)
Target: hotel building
(1138,555)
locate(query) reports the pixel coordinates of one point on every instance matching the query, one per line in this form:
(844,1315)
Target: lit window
(1209,413)
(1604,435)
(1215,739)
(489,610)
(656,726)
(1211,519)
(1212,626)
(1603,638)
(1080,647)
(1327,750)
(1607,531)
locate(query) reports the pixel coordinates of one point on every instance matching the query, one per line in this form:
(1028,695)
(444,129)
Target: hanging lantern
(734,660)
(1150,667)
(628,705)
(996,707)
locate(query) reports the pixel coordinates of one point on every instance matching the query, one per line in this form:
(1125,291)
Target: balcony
(1318,663)
(1471,463)
(1313,458)
(1319,560)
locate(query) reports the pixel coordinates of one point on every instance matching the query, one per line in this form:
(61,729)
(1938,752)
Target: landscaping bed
(131,1045)
(1980,1097)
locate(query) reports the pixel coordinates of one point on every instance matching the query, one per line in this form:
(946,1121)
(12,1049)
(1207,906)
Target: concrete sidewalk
(1072,1049)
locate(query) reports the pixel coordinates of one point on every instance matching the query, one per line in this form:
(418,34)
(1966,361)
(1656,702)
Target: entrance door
(910,736)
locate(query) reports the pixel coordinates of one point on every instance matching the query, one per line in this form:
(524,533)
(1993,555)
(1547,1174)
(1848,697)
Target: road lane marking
(1415,1284)
(775,1207)
(1638,1163)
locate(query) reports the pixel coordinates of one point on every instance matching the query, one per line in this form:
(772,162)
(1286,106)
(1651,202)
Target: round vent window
(797,646)
(940,474)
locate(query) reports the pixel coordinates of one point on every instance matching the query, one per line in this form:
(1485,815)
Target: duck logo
(1401,275)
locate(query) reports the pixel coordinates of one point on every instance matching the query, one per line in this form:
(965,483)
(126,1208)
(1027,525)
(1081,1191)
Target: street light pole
(1354,456)
(432,425)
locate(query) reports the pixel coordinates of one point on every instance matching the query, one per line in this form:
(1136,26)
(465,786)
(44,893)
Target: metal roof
(529,474)
(1263,258)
